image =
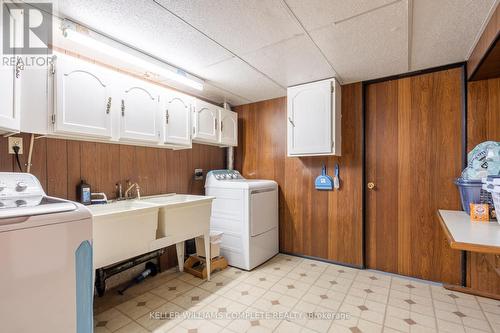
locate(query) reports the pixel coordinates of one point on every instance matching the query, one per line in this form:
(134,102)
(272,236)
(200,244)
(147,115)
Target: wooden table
(462,234)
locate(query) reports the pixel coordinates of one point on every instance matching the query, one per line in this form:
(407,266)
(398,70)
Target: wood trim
(485,44)
(466,246)
(415,73)
(471,291)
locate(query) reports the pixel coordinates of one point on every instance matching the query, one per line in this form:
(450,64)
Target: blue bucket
(470,192)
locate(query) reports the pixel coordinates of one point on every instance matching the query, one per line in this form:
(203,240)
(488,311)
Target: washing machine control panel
(226,174)
(15,185)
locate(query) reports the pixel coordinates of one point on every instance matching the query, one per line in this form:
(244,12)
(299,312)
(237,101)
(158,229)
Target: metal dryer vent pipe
(230,150)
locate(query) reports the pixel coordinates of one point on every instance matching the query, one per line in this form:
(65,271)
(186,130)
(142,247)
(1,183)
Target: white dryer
(246,211)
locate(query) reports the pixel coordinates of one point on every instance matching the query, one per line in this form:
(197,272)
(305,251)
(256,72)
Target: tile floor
(316,296)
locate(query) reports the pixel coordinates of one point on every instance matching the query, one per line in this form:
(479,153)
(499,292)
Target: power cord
(16,151)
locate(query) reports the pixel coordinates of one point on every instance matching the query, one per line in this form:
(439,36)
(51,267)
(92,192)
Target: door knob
(371,185)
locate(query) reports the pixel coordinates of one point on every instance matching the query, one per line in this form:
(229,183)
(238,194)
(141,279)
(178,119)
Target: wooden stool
(195,265)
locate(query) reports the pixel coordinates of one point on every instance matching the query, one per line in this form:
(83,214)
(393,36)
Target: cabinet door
(206,122)
(309,119)
(83,98)
(178,119)
(228,128)
(10,93)
(139,112)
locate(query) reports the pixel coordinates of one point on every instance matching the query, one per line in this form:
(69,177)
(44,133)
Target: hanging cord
(16,151)
(30,154)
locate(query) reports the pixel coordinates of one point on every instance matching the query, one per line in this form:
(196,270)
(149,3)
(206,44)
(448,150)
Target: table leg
(180,255)
(208,254)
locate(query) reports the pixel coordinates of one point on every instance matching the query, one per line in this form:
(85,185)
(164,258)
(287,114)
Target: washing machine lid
(232,179)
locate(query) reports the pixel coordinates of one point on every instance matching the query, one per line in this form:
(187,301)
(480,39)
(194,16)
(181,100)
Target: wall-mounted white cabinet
(228,127)
(177,118)
(76,99)
(139,108)
(314,119)
(205,122)
(10,83)
(83,98)
(10,100)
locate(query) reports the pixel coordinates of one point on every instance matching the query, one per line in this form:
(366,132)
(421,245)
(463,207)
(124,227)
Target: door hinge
(215,123)
(53,118)
(123,108)
(167,116)
(332,87)
(221,126)
(194,130)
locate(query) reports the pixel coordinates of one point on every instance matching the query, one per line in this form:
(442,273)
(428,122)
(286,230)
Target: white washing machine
(246,211)
(45,260)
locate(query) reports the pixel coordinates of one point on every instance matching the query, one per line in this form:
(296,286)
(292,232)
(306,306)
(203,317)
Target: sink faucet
(130,187)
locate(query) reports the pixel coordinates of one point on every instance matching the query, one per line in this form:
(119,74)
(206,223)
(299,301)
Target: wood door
(139,112)
(83,98)
(178,119)
(310,118)
(228,128)
(206,122)
(413,154)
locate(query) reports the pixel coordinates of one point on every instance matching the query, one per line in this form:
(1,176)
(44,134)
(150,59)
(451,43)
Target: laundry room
(249,166)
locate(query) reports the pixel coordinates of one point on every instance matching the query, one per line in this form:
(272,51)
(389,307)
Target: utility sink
(122,230)
(176,199)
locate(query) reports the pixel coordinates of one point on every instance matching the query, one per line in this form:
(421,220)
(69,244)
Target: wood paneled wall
(314,223)
(60,164)
(483,125)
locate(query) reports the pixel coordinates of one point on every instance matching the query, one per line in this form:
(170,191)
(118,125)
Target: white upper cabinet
(314,119)
(177,118)
(139,107)
(10,93)
(205,122)
(228,127)
(83,98)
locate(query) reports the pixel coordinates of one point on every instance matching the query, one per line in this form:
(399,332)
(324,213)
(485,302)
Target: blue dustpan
(324,182)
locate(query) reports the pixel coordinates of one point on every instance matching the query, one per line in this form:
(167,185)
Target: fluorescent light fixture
(172,73)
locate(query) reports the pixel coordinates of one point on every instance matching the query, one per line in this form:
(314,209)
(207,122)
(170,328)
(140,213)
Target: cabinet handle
(108,105)
(167,116)
(291,122)
(123,108)
(19,67)
(221,126)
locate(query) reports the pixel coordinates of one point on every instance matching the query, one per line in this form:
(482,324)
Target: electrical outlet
(15,141)
(198,174)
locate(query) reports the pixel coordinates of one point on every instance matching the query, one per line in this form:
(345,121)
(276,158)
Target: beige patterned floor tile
(450,327)
(194,299)
(273,301)
(376,294)
(261,280)
(111,319)
(331,300)
(245,293)
(291,287)
(337,283)
(140,305)
(303,275)
(171,289)
(491,308)
(222,310)
(193,280)
(312,316)
(161,317)
(133,327)
(253,324)
(290,327)
(200,326)
(220,284)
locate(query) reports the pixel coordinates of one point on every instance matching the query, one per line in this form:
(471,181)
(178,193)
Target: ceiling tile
(292,61)
(445,30)
(240,26)
(367,46)
(315,14)
(236,76)
(144,25)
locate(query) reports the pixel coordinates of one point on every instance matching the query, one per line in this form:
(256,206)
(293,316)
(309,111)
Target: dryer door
(263,210)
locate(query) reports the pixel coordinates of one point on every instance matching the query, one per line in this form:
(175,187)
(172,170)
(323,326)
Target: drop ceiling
(251,50)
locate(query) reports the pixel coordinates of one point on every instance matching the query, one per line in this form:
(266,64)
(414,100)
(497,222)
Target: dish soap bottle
(83,193)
